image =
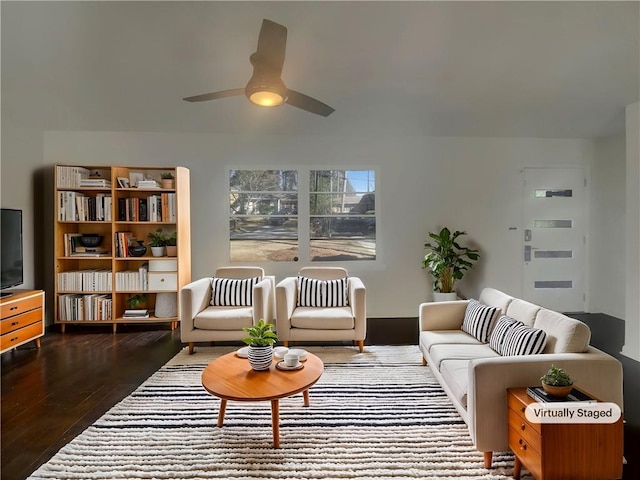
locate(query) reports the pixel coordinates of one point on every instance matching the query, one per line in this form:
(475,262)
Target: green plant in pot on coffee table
(260,339)
(447,260)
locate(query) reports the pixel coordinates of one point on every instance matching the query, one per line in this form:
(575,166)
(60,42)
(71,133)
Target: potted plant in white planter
(260,339)
(158,242)
(447,261)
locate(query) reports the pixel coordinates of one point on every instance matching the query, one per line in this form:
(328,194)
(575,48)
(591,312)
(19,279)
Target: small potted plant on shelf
(447,261)
(556,382)
(260,339)
(158,242)
(166,180)
(172,245)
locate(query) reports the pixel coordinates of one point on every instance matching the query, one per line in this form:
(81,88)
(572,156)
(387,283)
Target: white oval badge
(573,412)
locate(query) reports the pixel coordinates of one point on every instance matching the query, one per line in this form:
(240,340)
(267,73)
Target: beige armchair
(295,322)
(202,321)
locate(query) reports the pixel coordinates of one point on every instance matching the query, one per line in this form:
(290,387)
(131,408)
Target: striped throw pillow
(499,332)
(523,340)
(479,320)
(322,293)
(232,292)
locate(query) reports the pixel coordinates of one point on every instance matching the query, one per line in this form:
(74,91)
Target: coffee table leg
(305,396)
(223,407)
(275,421)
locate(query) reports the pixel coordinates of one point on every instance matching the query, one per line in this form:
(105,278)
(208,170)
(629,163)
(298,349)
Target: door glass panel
(548,193)
(554,284)
(552,223)
(554,254)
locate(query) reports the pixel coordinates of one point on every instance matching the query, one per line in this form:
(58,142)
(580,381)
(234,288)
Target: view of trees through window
(263,222)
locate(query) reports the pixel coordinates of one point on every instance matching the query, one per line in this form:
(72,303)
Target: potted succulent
(260,339)
(447,261)
(166,180)
(135,301)
(172,245)
(556,382)
(158,242)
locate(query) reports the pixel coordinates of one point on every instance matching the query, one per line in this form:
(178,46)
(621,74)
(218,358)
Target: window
(342,221)
(263,222)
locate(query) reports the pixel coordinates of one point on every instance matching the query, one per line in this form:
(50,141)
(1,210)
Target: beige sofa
(476,378)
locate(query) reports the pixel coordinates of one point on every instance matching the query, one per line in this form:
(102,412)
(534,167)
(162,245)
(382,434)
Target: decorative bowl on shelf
(137,250)
(90,240)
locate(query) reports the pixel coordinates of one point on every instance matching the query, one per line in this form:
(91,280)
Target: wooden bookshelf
(86,292)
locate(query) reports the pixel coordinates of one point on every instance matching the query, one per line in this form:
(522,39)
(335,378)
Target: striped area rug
(378,414)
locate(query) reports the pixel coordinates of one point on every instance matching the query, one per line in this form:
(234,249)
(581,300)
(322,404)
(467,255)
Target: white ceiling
(534,69)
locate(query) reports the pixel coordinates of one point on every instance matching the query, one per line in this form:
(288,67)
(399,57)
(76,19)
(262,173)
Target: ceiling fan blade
(272,43)
(309,104)
(234,92)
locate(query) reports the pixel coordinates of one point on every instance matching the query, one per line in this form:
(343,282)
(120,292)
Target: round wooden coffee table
(232,378)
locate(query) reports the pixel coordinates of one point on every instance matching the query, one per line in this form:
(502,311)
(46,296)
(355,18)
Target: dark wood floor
(51,395)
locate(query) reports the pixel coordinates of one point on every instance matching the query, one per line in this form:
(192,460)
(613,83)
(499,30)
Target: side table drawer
(525,431)
(10,309)
(19,321)
(531,459)
(22,335)
(163,281)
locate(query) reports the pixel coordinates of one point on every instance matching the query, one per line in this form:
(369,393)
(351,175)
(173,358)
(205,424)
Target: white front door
(555,238)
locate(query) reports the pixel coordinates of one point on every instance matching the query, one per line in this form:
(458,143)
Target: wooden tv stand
(22,318)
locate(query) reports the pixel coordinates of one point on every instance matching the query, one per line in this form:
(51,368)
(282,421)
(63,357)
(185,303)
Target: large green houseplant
(447,260)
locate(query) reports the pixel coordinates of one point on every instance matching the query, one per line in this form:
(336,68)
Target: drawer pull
(14,339)
(13,324)
(523,426)
(523,446)
(522,409)
(162,279)
(13,308)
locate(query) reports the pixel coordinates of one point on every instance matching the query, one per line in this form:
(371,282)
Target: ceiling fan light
(266,92)
(266,98)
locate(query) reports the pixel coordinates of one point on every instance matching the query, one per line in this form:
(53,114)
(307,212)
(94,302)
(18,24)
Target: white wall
(470,184)
(608,211)
(632,307)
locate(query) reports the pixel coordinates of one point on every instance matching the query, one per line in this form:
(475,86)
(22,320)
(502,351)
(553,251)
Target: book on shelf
(136,313)
(148,184)
(95,182)
(91,254)
(539,395)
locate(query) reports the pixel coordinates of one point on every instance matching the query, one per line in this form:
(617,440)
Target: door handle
(527,253)
(527,235)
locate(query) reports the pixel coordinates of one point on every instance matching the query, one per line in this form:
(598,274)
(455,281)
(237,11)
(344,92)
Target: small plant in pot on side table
(447,261)
(158,242)
(556,382)
(260,340)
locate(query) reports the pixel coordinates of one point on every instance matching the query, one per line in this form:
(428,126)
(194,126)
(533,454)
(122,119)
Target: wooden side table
(563,450)
(22,318)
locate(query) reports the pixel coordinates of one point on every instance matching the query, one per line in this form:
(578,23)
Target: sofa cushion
(564,334)
(523,340)
(322,293)
(456,375)
(500,330)
(429,338)
(523,311)
(232,292)
(224,318)
(479,319)
(495,298)
(443,352)
(336,318)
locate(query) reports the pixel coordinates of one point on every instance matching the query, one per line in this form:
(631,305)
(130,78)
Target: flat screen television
(11,271)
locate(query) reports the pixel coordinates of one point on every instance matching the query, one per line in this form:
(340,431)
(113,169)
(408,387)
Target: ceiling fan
(265,87)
